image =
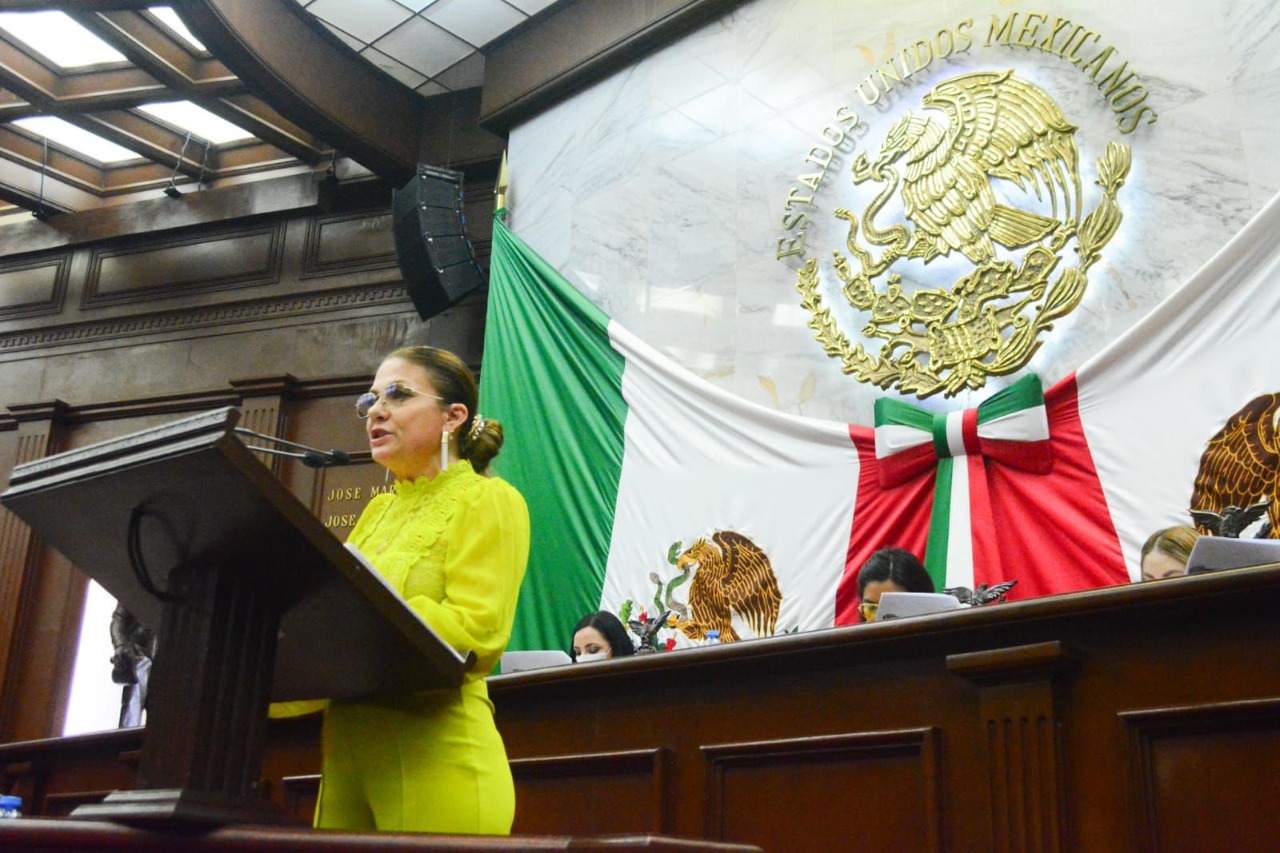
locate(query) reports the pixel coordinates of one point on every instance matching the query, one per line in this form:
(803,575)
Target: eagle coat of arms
(998,127)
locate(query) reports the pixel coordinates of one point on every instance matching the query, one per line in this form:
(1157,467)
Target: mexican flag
(628,462)
(651,490)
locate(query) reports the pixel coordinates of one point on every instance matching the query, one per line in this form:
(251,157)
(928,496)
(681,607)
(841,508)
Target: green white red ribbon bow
(1010,428)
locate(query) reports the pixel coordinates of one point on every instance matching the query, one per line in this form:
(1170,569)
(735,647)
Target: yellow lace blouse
(455,548)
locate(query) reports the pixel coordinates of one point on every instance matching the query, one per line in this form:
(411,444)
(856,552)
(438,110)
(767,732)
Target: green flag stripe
(551,377)
(1023,394)
(935,550)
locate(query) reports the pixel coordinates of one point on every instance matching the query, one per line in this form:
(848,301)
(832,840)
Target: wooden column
(1021,715)
(262,410)
(211,682)
(20,551)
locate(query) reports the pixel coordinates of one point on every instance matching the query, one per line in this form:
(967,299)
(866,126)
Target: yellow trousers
(429,762)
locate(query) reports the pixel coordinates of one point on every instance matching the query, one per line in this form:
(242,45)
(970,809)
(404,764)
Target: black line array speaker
(433,251)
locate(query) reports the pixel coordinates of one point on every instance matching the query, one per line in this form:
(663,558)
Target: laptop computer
(1216,553)
(537,659)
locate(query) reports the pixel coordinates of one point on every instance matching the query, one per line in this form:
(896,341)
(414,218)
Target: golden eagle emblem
(731,574)
(998,127)
(1240,471)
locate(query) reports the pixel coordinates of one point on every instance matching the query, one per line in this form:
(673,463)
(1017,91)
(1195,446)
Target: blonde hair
(478,441)
(1174,541)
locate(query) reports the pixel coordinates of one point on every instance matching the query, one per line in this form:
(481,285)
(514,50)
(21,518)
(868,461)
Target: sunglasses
(391,396)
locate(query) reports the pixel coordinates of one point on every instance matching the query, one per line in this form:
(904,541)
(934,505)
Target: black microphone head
(314,459)
(338,457)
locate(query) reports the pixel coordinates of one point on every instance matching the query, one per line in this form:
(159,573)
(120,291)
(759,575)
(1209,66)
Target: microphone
(310,457)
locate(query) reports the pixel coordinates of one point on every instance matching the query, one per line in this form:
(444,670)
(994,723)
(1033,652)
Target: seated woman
(1165,553)
(889,570)
(600,636)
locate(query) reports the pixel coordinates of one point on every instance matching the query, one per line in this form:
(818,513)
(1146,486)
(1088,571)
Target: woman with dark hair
(453,543)
(600,636)
(889,570)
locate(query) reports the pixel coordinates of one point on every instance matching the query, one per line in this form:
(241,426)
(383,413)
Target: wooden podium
(255,602)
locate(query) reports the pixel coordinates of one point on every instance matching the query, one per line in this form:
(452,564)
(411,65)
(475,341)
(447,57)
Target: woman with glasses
(889,570)
(454,543)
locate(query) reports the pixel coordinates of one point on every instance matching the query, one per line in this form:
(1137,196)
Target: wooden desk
(1144,717)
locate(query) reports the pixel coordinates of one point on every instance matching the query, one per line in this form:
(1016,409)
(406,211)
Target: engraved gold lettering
(1030,26)
(885,76)
(1093,66)
(820,157)
(833,135)
(906,71)
(1059,24)
(962,30)
(793,199)
(1115,79)
(922,64)
(347,494)
(950,41)
(1005,33)
(1119,102)
(1128,123)
(1088,34)
(791,221)
(874,91)
(788,246)
(846,117)
(1071,38)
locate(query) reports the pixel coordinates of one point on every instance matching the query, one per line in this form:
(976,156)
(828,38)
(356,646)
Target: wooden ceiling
(49,179)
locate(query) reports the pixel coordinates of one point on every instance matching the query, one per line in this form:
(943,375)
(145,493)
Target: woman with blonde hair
(1165,553)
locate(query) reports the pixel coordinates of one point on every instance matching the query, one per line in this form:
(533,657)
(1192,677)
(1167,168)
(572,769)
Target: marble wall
(661,191)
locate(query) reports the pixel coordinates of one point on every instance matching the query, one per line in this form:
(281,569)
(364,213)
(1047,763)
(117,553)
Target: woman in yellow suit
(454,543)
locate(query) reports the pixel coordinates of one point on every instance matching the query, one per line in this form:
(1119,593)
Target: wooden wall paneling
(593,793)
(865,790)
(1021,716)
(209,259)
(349,242)
(1203,777)
(321,414)
(21,558)
(262,410)
(33,287)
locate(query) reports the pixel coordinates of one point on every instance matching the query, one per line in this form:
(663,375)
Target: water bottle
(713,638)
(10,807)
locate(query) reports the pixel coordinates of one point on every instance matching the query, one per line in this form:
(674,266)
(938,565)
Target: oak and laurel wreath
(913,371)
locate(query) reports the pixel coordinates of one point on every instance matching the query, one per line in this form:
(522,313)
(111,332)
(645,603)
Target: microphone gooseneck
(310,456)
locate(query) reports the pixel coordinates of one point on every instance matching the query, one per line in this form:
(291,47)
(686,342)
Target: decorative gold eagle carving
(1240,466)
(999,126)
(731,574)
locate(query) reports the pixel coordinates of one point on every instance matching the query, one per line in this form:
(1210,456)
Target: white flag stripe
(1151,400)
(955,433)
(699,460)
(1023,425)
(895,438)
(960,535)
